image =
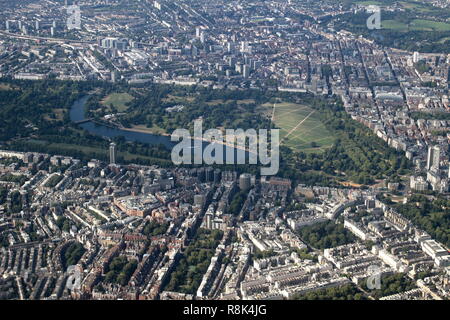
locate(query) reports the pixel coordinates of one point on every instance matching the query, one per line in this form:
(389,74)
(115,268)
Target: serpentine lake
(77,114)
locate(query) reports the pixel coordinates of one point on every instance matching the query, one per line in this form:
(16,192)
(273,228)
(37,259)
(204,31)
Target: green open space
(429,25)
(301,128)
(416,24)
(118,101)
(368,3)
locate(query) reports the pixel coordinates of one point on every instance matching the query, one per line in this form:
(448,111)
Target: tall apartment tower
(433,158)
(245,181)
(112,153)
(202,37)
(229,47)
(244,46)
(449,170)
(246,71)
(209,220)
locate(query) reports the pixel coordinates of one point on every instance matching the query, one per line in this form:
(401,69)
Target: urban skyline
(93,205)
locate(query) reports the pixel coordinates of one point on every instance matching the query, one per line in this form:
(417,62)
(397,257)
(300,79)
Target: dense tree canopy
(431,215)
(326,234)
(194,262)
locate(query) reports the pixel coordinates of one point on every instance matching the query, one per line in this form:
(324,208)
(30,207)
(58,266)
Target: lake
(77,114)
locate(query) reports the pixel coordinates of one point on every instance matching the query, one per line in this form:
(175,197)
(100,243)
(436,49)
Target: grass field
(393,25)
(416,24)
(118,100)
(428,25)
(368,3)
(300,127)
(414,5)
(407,4)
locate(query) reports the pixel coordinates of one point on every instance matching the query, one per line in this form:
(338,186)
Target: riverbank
(165,134)
(148,131)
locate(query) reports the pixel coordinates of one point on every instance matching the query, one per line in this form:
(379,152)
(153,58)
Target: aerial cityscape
(224,150)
